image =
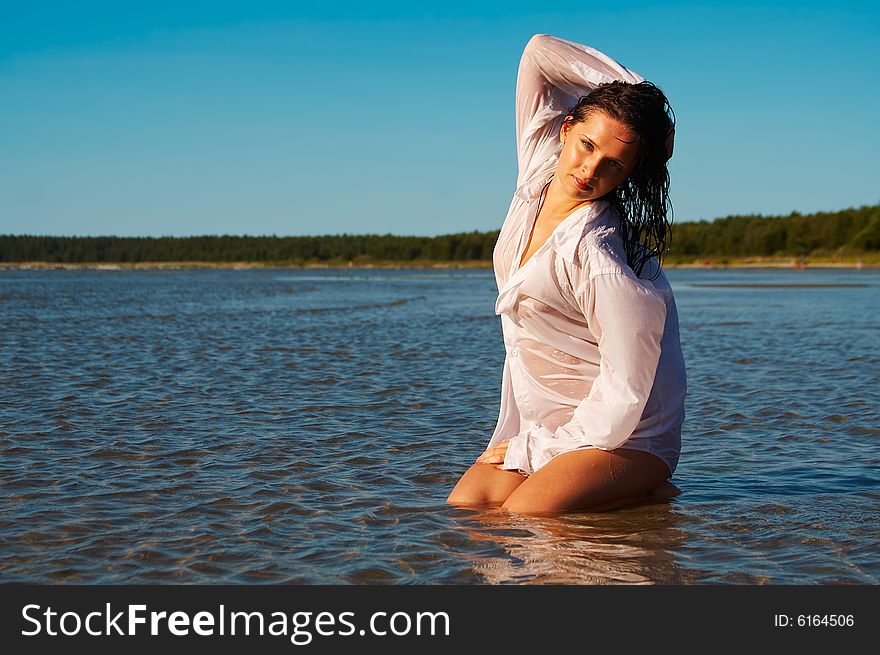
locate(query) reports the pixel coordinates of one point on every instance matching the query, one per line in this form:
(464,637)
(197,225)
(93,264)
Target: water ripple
(306,427)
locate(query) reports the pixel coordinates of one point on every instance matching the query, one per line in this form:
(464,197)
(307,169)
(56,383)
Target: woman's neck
(557,204)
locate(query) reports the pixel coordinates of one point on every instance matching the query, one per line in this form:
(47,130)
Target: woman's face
(598,154)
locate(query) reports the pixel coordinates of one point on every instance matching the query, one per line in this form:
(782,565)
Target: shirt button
(515,352)
(539,424)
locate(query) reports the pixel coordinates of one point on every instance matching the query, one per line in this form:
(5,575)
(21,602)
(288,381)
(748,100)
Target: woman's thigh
(588,479)
(484,485)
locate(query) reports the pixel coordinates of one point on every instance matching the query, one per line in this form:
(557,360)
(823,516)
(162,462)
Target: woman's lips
(583,186)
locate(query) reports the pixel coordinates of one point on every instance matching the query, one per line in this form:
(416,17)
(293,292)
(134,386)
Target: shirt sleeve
(553,74)
(627,316)
(508,424)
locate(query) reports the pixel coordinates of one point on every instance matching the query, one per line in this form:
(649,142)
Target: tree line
(846,232)
(270,249)
(849,231)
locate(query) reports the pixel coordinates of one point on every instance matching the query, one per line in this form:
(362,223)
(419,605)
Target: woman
(592,393)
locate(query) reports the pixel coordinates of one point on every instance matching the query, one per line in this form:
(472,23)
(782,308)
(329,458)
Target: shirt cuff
(517,456)
(529,452)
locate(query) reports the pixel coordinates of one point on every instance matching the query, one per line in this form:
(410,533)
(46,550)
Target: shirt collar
(567,240)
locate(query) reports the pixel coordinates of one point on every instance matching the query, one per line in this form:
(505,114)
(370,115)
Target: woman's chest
(536,236)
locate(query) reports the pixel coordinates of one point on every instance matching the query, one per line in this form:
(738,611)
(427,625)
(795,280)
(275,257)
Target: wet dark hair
(642,201)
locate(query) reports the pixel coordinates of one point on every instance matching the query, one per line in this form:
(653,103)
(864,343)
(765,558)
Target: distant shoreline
(704,263)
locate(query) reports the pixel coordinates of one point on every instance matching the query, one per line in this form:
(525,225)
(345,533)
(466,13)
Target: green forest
(846,233)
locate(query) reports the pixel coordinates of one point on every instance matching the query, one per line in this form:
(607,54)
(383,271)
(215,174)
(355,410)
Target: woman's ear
(565,128)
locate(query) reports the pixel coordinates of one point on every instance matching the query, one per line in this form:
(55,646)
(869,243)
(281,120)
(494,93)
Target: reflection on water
(627,546)
(307,426)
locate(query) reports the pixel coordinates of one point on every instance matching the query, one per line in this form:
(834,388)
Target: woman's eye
(617,165)
(587,144)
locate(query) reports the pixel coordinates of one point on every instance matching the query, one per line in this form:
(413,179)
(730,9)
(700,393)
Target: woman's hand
(495,454)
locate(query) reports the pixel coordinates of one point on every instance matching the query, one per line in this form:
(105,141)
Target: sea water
(306,426)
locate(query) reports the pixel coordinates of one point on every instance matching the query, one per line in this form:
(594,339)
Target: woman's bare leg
(588,479)
(484,485)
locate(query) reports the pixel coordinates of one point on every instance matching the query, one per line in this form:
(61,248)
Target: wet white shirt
(593,355)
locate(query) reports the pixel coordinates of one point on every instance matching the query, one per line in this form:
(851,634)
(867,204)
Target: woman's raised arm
(553,74)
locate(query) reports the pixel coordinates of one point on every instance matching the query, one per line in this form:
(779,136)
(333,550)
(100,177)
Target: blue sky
(291,118)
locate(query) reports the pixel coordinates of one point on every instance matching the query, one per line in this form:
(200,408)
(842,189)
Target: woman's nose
(589,168)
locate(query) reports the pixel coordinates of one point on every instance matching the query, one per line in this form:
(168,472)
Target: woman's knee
(588,480)
(484,485)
